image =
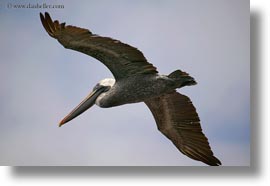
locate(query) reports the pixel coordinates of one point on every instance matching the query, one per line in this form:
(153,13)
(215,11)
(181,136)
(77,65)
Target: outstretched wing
(177,119)
(123,60)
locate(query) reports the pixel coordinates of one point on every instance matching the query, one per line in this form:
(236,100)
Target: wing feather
(122,59)
(177,119)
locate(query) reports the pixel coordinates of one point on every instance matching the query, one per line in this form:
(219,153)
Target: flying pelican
(137,80)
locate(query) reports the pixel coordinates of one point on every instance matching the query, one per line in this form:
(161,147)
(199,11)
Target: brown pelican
(137,80)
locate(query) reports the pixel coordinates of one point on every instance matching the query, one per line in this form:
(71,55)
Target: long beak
(88,102)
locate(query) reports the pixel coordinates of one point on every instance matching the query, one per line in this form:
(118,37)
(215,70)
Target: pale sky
(41,82)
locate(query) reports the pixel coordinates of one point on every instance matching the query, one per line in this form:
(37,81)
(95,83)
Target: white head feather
(107,82)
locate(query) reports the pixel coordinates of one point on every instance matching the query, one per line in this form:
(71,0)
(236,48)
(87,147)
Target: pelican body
(137,80)
(137,89)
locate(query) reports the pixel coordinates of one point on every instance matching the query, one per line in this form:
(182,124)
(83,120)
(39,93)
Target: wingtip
(41,16)
(48,24)
(46,14)
(214,162)
(218,162)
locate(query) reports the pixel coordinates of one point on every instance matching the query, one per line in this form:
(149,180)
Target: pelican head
(93,98)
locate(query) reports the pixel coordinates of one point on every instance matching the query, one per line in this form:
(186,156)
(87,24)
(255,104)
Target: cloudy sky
(41,82)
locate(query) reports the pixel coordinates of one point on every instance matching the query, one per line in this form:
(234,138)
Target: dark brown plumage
(177,119)
(122,59)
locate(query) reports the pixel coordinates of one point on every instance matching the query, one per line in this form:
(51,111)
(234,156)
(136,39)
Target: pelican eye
(97,86)
(101,87)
